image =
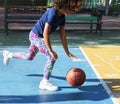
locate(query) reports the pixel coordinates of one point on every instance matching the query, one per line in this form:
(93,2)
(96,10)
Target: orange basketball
(75,77)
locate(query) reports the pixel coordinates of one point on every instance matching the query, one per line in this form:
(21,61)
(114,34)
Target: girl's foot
(46,85)
(6,57)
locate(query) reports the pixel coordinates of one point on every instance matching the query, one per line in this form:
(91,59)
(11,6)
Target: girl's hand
(54,54)
(71,55)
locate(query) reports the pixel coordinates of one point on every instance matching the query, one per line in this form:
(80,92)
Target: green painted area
(75,38)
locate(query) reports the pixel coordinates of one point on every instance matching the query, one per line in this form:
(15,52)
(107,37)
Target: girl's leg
(39,43)
(22,55)
(45,84)
(27,56)
(33,50)
(49,64)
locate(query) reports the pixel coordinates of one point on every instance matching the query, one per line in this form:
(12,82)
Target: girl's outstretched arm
(64,42)
(47,41)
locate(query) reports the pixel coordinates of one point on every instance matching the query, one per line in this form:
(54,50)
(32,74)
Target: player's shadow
(84,93)
(54,97)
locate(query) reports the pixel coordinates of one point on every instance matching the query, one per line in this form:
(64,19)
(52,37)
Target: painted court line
(1,52)
(99,77)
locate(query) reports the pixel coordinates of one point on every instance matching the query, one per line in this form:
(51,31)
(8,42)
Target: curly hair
(72,5)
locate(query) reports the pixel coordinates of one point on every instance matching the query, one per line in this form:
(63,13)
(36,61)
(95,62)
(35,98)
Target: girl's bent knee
(30,58)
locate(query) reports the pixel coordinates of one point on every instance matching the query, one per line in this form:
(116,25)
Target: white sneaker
(7,56)
(47,86)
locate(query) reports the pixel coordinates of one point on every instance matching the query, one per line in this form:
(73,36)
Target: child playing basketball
(40,39)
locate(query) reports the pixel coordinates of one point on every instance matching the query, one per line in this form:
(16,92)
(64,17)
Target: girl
(40,39)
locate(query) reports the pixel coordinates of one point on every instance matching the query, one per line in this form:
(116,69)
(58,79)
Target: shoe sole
(47,89)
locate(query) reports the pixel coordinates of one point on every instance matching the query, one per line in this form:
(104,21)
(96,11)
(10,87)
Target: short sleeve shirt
(52,18)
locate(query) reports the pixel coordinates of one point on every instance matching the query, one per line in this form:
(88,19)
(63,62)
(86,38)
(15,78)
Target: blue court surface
(19,80)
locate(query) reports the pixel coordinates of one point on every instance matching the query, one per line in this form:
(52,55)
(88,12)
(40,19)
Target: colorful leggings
(37,44)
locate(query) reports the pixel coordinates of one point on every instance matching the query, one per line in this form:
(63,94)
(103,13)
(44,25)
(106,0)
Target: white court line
(1,52)
(78,59)
(100,78)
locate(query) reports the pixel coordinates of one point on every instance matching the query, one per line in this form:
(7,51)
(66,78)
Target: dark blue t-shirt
(52,18)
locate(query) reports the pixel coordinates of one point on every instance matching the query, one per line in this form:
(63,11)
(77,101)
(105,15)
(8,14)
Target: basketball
(75,77)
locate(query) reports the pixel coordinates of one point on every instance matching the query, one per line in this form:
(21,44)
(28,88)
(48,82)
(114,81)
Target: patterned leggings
(37,44)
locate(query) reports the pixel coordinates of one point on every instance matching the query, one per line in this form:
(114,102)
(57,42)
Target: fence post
(5,17)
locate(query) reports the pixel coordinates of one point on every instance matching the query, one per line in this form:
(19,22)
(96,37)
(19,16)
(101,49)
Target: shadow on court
(84,93)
